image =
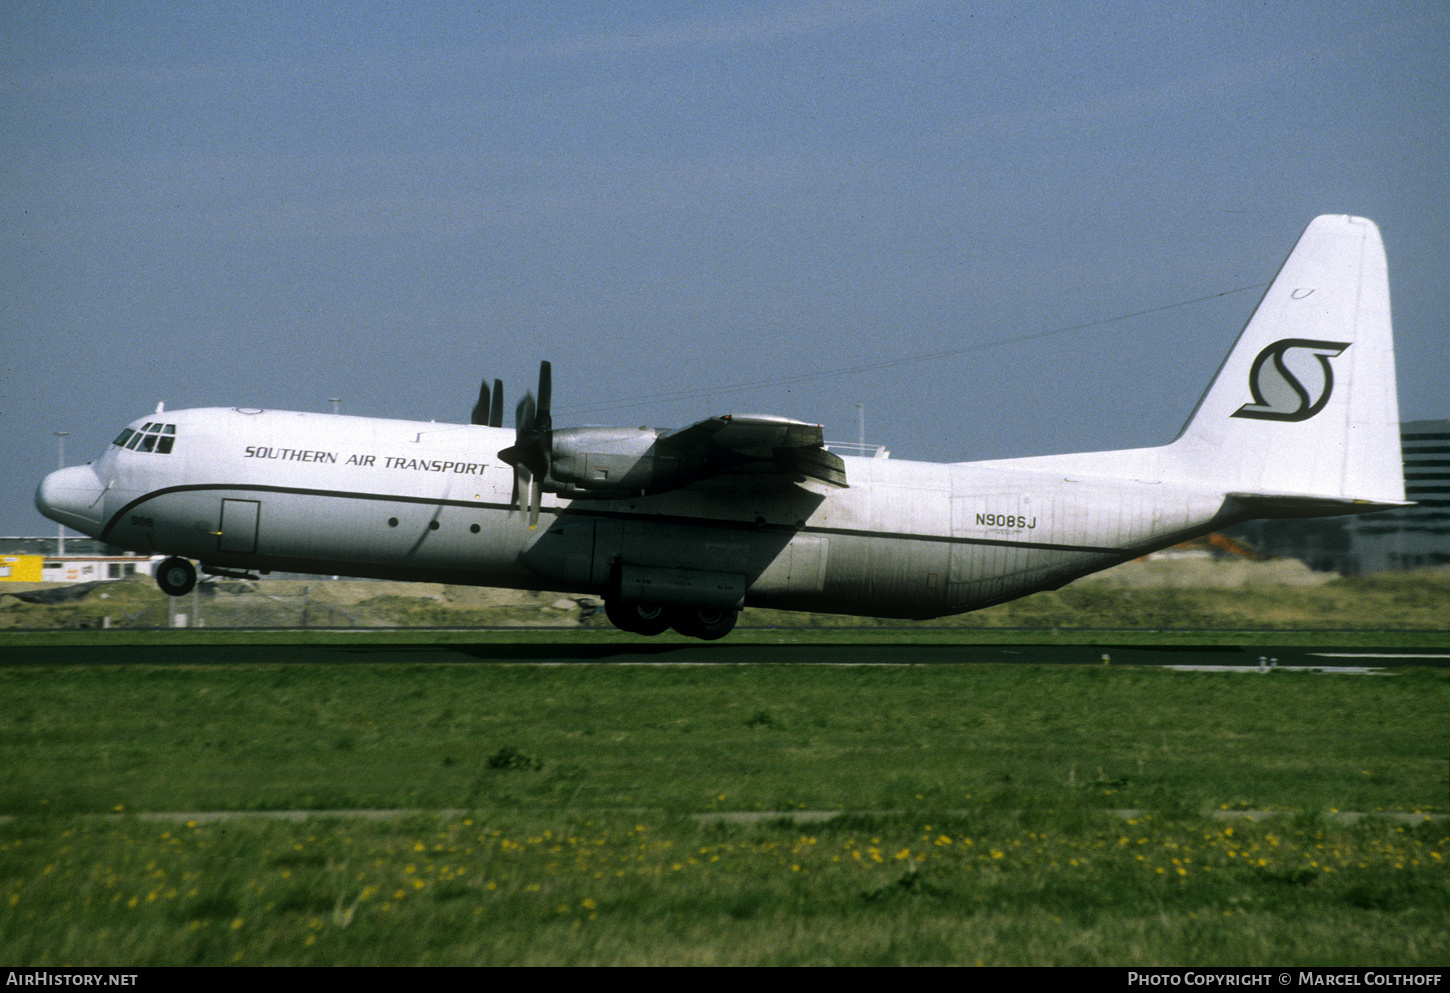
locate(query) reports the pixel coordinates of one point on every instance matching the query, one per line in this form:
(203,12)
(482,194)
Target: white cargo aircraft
(681,528)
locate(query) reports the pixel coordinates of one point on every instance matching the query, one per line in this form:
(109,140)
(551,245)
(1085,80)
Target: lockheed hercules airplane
(681,528)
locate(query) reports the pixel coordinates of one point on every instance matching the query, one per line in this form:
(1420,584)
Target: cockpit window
(157,438)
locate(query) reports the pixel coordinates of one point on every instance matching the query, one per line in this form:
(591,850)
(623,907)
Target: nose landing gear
(176,576)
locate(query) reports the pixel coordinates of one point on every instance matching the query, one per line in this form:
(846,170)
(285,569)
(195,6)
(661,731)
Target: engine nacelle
(606,463)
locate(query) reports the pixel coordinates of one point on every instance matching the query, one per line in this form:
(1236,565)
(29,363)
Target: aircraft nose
(72,497)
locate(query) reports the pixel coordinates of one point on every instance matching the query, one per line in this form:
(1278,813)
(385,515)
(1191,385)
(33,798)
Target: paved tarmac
(1250,658)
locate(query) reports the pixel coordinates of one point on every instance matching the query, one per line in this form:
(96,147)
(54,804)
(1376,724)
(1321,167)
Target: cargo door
(238,530)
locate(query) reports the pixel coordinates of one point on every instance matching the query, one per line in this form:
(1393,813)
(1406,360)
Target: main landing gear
(176,576)
(705,623)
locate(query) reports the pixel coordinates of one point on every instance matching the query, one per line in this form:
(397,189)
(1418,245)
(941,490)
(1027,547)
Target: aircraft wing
(611,463)
(746,442)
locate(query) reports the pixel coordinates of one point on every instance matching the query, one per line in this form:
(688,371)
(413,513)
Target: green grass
(225,737)
(510,889)
(983,815)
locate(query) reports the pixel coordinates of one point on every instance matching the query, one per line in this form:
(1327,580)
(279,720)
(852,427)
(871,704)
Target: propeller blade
(495,412)
(523,453)
(536,497)
(524,415)
(525,432)
(532,452)
(481,409)
(546,390)
(522,477)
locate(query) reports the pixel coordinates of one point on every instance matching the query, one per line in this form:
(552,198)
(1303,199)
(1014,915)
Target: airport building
(1419,536)
(85,560)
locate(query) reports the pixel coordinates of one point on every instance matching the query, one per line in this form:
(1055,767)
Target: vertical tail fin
(1305,404)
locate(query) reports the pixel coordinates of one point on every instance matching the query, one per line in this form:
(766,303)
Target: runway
(1252,658)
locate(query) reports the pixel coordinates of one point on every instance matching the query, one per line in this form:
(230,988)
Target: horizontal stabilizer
(1296,505)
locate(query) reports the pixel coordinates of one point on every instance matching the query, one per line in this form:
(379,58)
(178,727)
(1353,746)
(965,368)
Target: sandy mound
(1209,573)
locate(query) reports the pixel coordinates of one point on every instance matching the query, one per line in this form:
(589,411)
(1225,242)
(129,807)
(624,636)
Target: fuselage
(269,490)
(1301,420)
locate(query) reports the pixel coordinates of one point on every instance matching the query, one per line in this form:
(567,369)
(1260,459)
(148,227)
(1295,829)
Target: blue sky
(694,208)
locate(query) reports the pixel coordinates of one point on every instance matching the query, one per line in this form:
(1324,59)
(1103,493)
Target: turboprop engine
(600,463)
(613,463)
(607,463)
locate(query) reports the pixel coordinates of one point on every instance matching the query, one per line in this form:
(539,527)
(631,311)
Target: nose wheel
(176,576)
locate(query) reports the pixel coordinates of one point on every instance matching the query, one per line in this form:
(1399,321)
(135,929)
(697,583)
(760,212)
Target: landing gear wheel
(705,623)
(176,576)
(637,618)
